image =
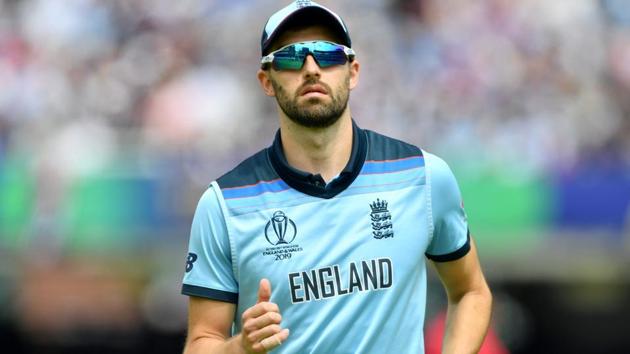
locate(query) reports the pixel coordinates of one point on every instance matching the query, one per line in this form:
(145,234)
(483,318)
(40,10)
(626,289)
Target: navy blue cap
(306,8)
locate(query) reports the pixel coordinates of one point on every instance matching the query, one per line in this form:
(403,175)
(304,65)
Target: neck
(323,151)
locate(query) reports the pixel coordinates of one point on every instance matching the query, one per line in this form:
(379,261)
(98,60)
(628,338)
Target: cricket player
(319,243)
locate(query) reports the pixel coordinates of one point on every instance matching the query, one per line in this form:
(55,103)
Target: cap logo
(303,3)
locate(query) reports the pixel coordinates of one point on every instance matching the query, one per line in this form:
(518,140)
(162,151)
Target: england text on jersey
(330,281)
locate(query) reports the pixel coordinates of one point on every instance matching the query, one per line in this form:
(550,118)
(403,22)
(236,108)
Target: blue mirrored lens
(325,53)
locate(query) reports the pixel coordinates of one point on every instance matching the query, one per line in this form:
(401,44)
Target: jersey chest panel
(328,250)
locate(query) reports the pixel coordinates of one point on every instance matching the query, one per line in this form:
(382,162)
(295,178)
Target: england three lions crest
(381,220)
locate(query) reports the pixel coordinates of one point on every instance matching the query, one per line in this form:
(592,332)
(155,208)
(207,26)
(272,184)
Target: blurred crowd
(84,82)
(166,90)
(534,83)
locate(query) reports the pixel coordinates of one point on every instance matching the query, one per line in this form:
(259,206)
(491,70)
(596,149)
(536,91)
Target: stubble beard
(314,112)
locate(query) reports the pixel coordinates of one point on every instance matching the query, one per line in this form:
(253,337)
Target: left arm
(469,303)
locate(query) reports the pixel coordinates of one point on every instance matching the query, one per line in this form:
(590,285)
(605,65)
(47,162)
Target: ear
(355,67)
(265,82)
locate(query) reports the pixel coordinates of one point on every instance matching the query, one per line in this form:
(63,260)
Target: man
(317,243)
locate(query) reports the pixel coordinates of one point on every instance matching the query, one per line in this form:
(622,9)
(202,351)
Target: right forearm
(208,345)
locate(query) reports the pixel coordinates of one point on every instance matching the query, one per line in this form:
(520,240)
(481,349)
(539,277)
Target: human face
(312,96)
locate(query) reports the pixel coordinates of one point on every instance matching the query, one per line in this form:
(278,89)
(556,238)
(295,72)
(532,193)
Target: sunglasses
(292,56)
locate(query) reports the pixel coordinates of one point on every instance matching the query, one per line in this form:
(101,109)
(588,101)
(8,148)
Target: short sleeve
(209,263)
(451,239)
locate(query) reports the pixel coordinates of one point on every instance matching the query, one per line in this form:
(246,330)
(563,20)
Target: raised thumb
(264,290)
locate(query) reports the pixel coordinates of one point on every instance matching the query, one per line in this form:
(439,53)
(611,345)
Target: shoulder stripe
(251,185)
(372,186)
(388,166)
(253,190)
(393,160)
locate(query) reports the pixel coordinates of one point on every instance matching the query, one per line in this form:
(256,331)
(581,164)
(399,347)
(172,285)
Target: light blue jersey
(346,261)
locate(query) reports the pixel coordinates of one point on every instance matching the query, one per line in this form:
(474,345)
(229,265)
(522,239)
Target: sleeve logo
(192,257)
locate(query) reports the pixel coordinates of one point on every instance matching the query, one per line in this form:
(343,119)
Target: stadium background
(115,115)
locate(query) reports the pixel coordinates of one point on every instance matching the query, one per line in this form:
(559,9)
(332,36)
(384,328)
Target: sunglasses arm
(349,52)
(266,60)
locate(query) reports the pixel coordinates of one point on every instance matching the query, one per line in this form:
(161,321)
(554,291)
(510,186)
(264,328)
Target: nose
(310,68)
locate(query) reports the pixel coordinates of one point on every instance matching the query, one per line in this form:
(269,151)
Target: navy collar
(315,185)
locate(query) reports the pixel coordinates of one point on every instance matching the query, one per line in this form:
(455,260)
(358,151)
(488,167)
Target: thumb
(264,290)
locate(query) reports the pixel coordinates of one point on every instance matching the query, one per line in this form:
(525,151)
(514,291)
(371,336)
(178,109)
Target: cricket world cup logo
(284,229)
